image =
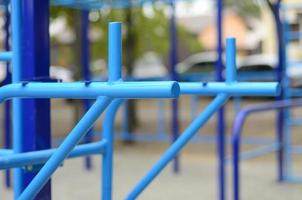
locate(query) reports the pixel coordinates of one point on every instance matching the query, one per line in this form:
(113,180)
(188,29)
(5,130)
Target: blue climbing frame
(109,94)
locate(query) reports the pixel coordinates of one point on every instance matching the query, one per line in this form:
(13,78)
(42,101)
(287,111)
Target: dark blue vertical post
(173,62)
(7,104)
(282,80)
(220,117)
(35,57)
(85,71)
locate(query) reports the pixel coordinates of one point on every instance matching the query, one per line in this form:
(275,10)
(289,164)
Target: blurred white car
(197,63)
(258,63)
(149,65)
(61,73)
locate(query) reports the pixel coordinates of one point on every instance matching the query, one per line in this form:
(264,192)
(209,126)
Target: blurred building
(294,19)
(247,31)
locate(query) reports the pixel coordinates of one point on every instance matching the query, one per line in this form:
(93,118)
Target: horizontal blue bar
(80,90)
(6,56)
(39,157)
(5,152)
(232,89)
(260,151)
(294,35)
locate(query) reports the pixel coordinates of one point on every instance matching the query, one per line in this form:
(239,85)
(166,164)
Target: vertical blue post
(115,74)
(30,49)
(16,77)
(173,62)
(86,72)
(281,79)
(220,117)
(231,73)
(285,144)
(7,104)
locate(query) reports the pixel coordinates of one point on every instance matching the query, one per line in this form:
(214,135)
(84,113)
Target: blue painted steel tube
(168,89)
(220,129)
(11,160)
(115,74)
(5,152)
(107,159)
(165,89)
(237,132)
(6,56)
(16,77)
(85,53)
(281,77)
(174,76)
(231,73)
(34,131)
(65,148)
(232,89)
(115,52)
(175,148)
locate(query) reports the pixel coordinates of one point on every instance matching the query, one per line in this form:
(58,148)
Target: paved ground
(197,179)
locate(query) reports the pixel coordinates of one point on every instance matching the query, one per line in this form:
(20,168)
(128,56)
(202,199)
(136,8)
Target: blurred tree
(246,8)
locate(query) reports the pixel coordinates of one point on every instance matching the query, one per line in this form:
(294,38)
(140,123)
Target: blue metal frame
(105,93)
(115,89)
(35,55)
(237,134)
(287,37)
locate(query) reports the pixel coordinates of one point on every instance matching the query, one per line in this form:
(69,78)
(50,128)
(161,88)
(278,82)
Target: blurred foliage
(245,8)
(151,33)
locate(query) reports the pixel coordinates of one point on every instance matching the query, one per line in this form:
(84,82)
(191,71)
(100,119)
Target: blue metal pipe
(5,152)
(11,160)
(237,131)
(168,89)
(85,55)
(6,56)
(220,130)
(107,159)
(115,52)
(175,148)
(174,76)
(16,6)
(231,73)
(281,76)
(115,63)
(65,148)
(232,89)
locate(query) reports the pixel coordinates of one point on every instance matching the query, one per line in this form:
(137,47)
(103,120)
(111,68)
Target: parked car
(149,65)
(197,63)
(198,67)
(61,73)
(258,67)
